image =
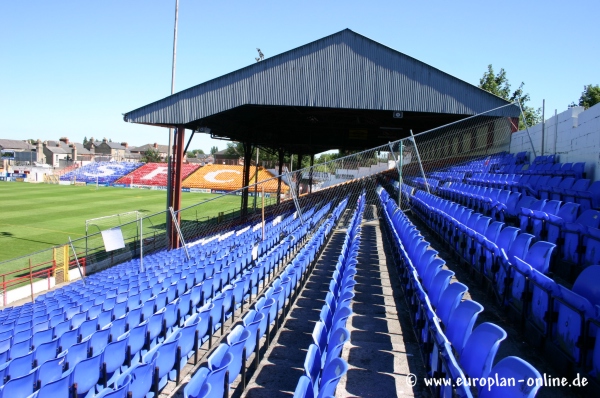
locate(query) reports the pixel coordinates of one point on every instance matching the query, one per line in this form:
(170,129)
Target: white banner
(113,239)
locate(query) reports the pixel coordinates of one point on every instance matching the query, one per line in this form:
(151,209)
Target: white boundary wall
(577,138)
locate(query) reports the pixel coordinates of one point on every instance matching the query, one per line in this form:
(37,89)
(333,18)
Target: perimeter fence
(398,166)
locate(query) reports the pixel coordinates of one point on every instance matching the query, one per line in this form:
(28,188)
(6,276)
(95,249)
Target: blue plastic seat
(87,374)
(46,351)
(167,367)
(236,342)
(574,235)
(542,289)
(572,310)
(20,366)
(21,386)
(304,388)
(480,349)
(50,370)
(141,378)
(60,388)
(461,322)
(449,300)
(337,339)
(188,341)
(216,376)
(438,285)
(198,386)
(331,376)
(517,370)
(155,326)
(120,390)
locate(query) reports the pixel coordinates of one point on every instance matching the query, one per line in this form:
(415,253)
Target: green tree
(497,84)
(194,153)
(590,96)
(85,140)
(151,156)
(214,150)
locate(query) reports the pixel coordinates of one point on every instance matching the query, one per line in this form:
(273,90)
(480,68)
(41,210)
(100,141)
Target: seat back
(460,324)
(480,349)
(516,369)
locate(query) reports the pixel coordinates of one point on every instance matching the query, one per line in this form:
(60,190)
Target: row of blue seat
(228,360)
(150,331)
(449,329)
(323,367)
(118,277)
(576,234)
(520,278)
(103,172)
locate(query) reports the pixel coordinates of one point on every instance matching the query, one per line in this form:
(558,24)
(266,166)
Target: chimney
(65,140)
(74,153)
(124,144)
(104,140)
(39,155)
(155,145)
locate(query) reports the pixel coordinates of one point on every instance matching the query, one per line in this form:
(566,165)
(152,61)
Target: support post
(176,184)
(246,178)
(180,235)
(141,234)
(295,199)
(398,161)
(256,180)
(527,129)
(310,173)
(30,280)
(419,159)
(298,173)
(543,124)
(263,212)
(76,261)
(555,129)
(281,154)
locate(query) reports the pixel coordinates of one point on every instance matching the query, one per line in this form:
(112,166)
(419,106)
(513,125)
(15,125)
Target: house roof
(144,148)
(15,144)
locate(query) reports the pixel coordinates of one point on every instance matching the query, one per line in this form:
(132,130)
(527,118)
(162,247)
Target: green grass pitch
(35,217)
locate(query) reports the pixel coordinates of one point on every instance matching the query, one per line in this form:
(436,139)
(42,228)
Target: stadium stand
(128,329)
(443,322)
(323,367)
(154,174)
(227,178)
(102,172)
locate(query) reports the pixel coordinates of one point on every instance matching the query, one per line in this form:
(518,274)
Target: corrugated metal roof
(344,70)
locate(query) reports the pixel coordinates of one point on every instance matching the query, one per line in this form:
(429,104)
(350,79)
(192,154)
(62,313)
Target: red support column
(176,183)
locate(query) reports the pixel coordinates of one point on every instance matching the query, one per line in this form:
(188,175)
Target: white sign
(113,239)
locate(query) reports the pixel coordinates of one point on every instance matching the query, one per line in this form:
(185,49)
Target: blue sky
(72,68)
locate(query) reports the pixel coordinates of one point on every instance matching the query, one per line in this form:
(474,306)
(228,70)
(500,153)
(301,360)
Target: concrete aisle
(282,365)
(382,349)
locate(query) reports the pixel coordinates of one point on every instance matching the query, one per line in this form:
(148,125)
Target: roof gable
(343,70)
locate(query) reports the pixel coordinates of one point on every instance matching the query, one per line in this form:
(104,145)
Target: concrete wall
(573,135)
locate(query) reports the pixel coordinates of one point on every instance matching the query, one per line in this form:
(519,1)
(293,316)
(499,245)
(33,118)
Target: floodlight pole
(169,149)
(419,159)
(76,260)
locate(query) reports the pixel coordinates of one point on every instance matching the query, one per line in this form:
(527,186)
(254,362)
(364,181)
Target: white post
(76,260)
(141,246)
(419,159)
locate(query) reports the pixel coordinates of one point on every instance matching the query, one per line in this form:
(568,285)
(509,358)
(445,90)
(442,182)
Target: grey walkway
(382,349)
